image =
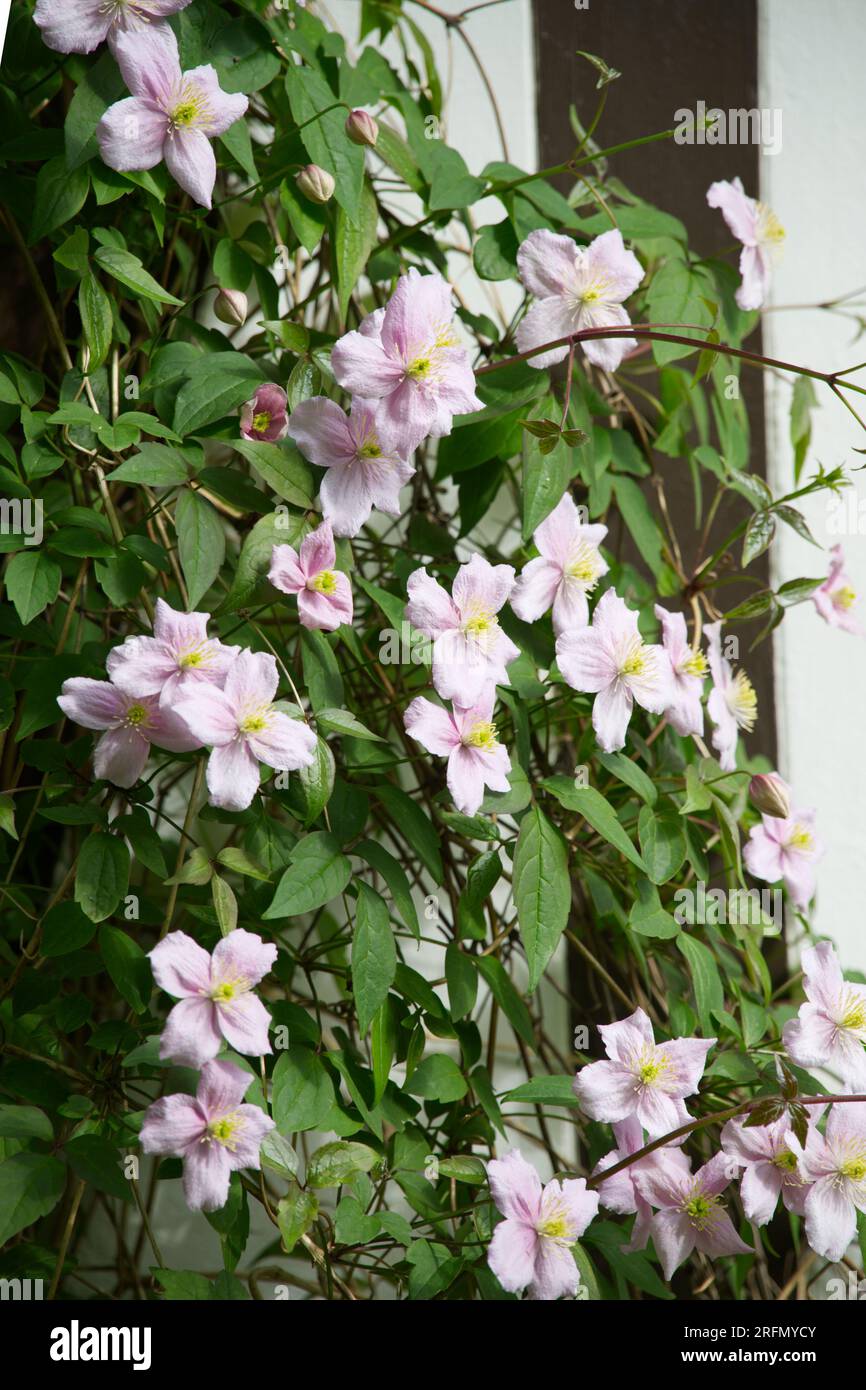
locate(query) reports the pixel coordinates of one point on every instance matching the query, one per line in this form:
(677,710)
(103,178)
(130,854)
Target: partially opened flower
(642,1077)
(467,738)
(836,1168)
(759,230)
(324,593)
(470,650)
(568,567)
(830,1029)
(787,849)
(620,1193)
(80,26)
(732,705)
(213,1132)
(410,360)
(576,288)
(131,723)
(175,658)
(365,469)
(611,661)
(171,115)
(243,728)
(770,1168)
(836,598)
(265,417)
(690,1215)
(688,672)
(531,1248)
(215,993)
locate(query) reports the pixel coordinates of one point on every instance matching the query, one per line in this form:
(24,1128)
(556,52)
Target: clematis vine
(131,723)
(770,1168)
(173,660)
(835,1165)
(761,234)
(531,1248)
(171,115)
(610,660)
(470,650)
(467,738)
(215,993)
(830,1028)
(324,593)
(621,1193)
(80,26)
(568,567)
(244,728)
(785,848)
(360,453)
(265,417)
(641,1077)
(576,288)
(408,359)
(690,1215)
(213,1132)
(733,704)
(688,668)
(836,597)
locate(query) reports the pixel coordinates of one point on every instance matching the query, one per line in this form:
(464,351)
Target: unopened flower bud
(362,128)
(231,307)
(770,794)
(316,184)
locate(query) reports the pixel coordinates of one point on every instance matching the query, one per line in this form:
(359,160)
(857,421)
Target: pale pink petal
(149,63)
(432,726)
(317,551)
(132,134)
(511,1255)
(606,353)
(570,606)
(362,367)
(611,712)
(478,584)
(606,1091)
(760,1187)
(167,730)
(221,108)
(689,1056)
(242,955)
(515,1187)
(585,660)
(285,745)
(810,1038)
(465,779)
(659,1113)
(285,571)
(429,609)
(822,974)
(536,589)
(172,1125)
(191,1035)
(206,1176)
(73,26)
(546,322)
(244,1022)
(232,776)
(738,210)
(626,1035)
(255,1124)
(192,164)
(221,1088)
(461,667)
(619,271)
(141,666)
(326,612)
(555,1274)
(719,1238)
(545,262)
(120,756)
(674,1239)
(208,714)
(92,704)
(321,431)
(252,679)
(831,1219)
(180,966)
(755,273)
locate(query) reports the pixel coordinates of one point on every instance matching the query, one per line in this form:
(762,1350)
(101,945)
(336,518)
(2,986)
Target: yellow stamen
(843,598)
(136,715)
(262,421)
(694,665)
(743,702)
(254,723)
(370,450)
(482,735)
(786,1161)
(799,838)
(419,369)
(853,1012)
(636,660)
(324,583)
(554,1227)
(224,1130)
(586,566)
(769,227)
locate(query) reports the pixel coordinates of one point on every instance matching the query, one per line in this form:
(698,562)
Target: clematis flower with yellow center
(80,26)
(786,848)
(531,1248)
(690,1215)
(836,1168)
(468,739)
(470,649)
(176,657)
(830,1029)
(733,704)
(836,598)
(568,567)
(761,233)
(324,593)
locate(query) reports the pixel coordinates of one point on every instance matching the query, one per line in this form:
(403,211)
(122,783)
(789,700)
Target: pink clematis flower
(171,115)
(131,723)
(836,597)
(360,453)
(836,1168)
(568,567)
(244,729)
(643,1078)
(213,1133)
(830,1029)
(733,704)
(787,849)
(688,673)
(770,1167)
(690,1215)
(467,738)
(576,288)
(80,26)
(175,658)
(215,993)
(531,1248)
(470,650)
(266,417)
(621,1193)
(324,593)
(760,232)
(408,358)
(611,661)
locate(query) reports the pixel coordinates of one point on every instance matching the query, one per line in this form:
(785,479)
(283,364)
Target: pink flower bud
(362,128)
(770,794)
(231,307)
(316,184)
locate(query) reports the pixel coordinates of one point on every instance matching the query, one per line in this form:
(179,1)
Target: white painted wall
(811,68)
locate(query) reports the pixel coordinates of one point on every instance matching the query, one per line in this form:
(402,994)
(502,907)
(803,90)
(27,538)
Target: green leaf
(339,1162)
(629,772)
(319,871)
(545,1090)
(155,465)
(129,271)
(183,1284)
(437,1077)
(225,904)
(395,877)
(277,1154)
(98,1162)
(324,137)
(596,809)
(677,294)
(255,556)
(201,543)
(102,875)
(25,1122)
(296,1213)
(462,979)
(353,243)
(494,254)
(662,842)
(282,468)
(374,956)
(241,863)
(414,826)
(707,983)
(215,386)
(759,533)
(31,1185)
(128,967)
(342,721)
(32,583)
(60,195)
(542,889)
(506,996)
(97,320)
(303,1092)
(316,782)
